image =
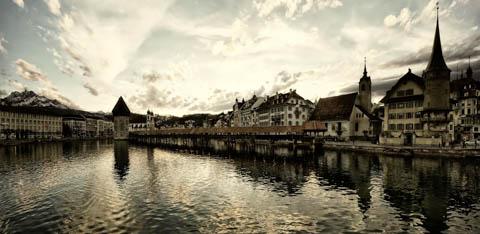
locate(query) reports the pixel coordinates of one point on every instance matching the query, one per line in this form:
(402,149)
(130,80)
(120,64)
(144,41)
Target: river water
(107,187)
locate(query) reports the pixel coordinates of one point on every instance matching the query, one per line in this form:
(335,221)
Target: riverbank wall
(403,150)
(33,141)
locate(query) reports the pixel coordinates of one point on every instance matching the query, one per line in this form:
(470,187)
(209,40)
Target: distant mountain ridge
(31,99)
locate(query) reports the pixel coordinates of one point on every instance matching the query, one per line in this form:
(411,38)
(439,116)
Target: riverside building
(417,108)
(19,122)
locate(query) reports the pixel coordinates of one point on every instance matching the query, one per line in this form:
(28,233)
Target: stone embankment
(403,150)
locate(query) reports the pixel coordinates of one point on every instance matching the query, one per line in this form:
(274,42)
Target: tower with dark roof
(121,120)
(469,70)
(365,90)
(437,78)
(436,103)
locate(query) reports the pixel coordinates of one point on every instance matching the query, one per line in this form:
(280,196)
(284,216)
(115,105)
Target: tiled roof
(137,118)
(409,76)
(121,108)
(314,125)
(280,99)
(437,62)
(334,108)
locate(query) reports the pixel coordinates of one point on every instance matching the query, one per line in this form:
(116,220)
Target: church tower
(469,70)
(365,90)
(436,103)
(437,78)
(121,120)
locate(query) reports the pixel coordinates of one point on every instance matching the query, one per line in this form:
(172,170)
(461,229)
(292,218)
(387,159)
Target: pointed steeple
(437,62)
(121,108)
(365,66)
(469,69)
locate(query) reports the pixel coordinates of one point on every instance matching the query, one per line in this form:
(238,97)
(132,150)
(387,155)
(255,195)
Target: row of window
(399,127)
(401,105)
(23,115)
(409,115)
(402,93)
(359,115)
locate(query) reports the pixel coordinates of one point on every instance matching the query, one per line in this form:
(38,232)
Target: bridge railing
(272,130)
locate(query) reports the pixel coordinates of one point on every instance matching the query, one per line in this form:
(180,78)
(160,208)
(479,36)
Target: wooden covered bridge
(293,136)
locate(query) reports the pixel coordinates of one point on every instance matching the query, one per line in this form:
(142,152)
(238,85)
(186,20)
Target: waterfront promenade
(363,146)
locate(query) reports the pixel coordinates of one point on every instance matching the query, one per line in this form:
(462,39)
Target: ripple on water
(89,188)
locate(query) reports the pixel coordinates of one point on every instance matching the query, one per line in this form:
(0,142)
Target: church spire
(469,69)
(365,66)
(437,62)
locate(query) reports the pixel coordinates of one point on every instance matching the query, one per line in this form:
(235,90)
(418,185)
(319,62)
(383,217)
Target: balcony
(434,119)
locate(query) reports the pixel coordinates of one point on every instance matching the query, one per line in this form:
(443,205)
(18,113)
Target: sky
(191,56)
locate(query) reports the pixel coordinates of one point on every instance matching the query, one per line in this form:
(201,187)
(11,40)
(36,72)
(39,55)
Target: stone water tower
(121,120)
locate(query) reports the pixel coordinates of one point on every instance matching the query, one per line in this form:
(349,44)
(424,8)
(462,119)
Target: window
(418,114)
(400,116)
(356,127)
(418,103)
(326,125)
(409,115)
(400,126)
(409,92)
(391,127)
(392,105)
(400,105)
(290,123)
(409,126)
(401,93)
(289,116)
(418,126)
(391,116)
(409,105)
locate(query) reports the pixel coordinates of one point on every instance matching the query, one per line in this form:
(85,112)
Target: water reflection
(122,161)
(69,188)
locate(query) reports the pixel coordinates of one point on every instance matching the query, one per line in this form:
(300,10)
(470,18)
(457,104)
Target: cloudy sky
(186,56)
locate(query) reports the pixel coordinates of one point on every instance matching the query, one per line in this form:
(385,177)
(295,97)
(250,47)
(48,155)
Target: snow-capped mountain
(30,98)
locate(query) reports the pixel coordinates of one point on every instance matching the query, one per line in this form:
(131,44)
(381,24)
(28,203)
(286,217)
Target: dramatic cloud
(407,18)
(2,46)
(154,97)
(379,86)
(404,19)
(53,6)
(52,93)
(179,57)
(19,3)
(29,71)
(90,89)
(292,8)
(102,39)
(16,85)
(285,80)
(174,72)
(462,50)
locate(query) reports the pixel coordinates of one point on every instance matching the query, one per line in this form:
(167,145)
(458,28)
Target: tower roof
(469,69)
(121,108)
(437,62)
(365,73)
